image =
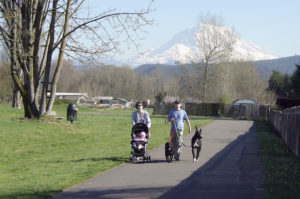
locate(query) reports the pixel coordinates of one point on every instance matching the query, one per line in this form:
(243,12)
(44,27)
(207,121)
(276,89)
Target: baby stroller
(140,136)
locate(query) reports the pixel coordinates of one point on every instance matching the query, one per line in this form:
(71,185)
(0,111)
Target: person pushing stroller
(140,134)
(140,116)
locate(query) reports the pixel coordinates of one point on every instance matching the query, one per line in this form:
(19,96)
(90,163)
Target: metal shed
(245,108)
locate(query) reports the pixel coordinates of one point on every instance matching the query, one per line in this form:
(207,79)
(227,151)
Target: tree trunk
(48,60)
(60,60)
(205,80)
(16,101)
(30,109)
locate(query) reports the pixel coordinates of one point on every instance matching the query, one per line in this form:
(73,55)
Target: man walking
(176,117)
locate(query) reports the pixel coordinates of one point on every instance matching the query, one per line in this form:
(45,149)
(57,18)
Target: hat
(177,102)
(138,104)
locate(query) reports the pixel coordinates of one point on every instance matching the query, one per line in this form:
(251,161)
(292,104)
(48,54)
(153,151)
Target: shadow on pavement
(229,174)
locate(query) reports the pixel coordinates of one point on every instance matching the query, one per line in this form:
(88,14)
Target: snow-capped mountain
(181,47)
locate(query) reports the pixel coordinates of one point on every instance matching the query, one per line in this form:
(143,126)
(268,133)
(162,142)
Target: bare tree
(157,75)
(220,82)
(36,31)
(213,43)
(237,80)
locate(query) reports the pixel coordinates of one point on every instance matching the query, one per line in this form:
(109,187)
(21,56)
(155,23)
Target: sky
(274,25)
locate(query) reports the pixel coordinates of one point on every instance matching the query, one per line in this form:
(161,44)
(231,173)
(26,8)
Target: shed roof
(244,101)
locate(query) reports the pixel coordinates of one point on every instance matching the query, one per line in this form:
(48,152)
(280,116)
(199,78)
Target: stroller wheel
(130,160)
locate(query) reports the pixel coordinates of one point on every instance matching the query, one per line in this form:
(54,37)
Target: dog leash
(171,136)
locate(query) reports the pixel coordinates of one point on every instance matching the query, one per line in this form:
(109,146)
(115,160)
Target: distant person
(141,116)
(176,117)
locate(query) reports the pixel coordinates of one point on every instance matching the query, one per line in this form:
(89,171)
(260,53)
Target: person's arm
(186,118)
(189,125)
(148,120)
(169,118)
(133,118)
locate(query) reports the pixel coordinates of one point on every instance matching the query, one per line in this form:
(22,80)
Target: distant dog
(196,144)
(169,152)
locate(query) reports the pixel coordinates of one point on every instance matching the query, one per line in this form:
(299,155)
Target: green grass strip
(281,167)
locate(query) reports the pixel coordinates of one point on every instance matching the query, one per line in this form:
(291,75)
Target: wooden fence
(162,108)
(287,123)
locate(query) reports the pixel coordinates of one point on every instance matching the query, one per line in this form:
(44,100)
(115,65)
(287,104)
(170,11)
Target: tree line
(285,85)
(226,82)
(106,80)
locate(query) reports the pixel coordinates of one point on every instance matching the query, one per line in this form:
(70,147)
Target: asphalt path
(228,167)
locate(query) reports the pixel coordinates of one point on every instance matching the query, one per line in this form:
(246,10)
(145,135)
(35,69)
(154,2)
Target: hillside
(284,65)
(265,67)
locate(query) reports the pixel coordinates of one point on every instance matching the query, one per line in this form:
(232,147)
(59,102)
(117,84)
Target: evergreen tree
(276,82)
(296,81)
(281,84)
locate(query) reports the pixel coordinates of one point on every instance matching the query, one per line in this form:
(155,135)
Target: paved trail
(229,167)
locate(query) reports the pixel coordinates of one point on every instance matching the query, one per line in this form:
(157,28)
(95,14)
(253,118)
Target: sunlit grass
(41,157)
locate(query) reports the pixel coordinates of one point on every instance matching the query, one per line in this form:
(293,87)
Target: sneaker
(177,159)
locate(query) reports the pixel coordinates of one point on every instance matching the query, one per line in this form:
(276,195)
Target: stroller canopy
(139,127)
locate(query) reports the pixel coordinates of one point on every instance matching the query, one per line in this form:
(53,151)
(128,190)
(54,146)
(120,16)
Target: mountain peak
(181,47)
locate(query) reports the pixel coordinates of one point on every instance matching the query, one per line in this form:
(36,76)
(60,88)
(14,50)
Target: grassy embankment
(281,167)
(42,157)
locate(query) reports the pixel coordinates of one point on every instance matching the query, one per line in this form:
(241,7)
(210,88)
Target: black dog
(196,144)
(169,152)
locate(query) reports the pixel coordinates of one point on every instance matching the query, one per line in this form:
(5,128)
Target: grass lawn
(42,157)
(281,167)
